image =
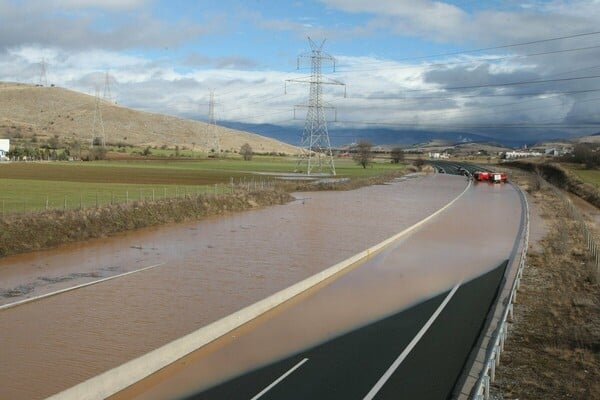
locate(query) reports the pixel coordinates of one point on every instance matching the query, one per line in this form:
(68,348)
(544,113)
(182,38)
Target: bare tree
(362,153)
(246,152)
(397,155)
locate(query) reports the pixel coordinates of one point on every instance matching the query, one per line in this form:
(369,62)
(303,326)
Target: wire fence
(63,200)
(588,235)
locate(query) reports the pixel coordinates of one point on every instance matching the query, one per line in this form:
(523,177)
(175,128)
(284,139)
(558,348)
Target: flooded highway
(209,269)
(457,246)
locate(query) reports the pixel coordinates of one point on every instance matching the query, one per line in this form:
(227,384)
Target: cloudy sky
(462,64)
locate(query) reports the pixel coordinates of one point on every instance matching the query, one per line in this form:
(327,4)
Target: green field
(591,176)
(49,185)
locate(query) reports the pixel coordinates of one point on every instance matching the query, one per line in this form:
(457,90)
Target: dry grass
(553,349)
(48,111)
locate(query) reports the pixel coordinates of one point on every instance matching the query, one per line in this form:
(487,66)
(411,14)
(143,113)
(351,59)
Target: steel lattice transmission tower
(43,73)
(98,136)
(315,141)
(107,95)
(214,142)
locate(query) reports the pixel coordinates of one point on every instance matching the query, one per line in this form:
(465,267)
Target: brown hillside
(589,139)
(28,110)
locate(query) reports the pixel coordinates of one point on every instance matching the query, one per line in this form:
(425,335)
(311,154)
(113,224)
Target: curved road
(399,324)
(207,270)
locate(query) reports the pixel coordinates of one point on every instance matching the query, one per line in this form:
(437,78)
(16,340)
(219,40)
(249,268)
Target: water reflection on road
(212,268)
(472,237)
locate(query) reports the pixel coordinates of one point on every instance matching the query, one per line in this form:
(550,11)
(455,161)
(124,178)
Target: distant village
(538,151)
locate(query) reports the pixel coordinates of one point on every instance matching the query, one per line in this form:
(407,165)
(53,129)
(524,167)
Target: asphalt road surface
(415,354)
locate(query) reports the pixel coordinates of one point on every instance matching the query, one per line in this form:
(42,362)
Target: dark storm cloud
(481,75)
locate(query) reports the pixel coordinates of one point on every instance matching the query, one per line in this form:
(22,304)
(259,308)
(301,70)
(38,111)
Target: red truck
(481,176)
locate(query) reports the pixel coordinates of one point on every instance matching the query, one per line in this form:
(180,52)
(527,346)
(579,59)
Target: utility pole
(315,141)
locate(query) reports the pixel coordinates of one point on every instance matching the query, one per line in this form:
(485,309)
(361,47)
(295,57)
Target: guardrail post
(486,391)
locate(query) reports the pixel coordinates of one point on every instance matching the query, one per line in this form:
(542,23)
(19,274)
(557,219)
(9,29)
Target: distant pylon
(43,73)
(98,137)
(315,141)
(214,142)
(107,95)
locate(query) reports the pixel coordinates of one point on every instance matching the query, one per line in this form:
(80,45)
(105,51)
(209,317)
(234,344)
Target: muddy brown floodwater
(456,246)
(211,268)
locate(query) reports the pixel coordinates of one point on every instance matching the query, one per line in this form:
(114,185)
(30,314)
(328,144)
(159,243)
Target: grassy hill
(40,113)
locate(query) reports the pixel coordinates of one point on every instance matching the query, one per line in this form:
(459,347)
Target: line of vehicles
(478,173)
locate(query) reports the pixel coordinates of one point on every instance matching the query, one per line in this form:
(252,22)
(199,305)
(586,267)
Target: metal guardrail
(481,390)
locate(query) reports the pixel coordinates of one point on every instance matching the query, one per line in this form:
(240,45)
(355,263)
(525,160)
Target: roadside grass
(28,187)
(591,176)
(25,195)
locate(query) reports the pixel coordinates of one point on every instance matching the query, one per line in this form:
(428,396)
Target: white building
(437,156)
(4,148)
(522,154)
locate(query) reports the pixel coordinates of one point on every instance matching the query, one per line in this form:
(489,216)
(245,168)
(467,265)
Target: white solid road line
(282,377)
(43,296)
(410,346)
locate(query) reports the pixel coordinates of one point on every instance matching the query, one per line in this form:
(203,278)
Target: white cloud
(78,54)
(446,22)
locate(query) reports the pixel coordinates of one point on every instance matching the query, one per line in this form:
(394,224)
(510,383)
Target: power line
(454,63)
(267,97)
(478,60)
(510,83)
(506,46)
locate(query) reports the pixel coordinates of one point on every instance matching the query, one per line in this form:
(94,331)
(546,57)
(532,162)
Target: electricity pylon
(315,141)
(214,142)
(107,95)
(98,137)
(43,73)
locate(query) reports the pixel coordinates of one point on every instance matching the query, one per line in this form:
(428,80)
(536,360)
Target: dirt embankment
(553,347)
(21,233)
(561,178)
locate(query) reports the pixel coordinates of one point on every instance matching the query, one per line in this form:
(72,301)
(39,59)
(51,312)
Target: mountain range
(341,137)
